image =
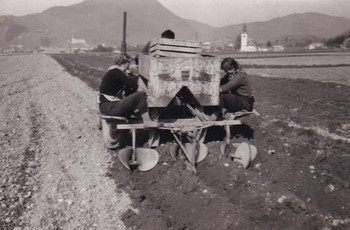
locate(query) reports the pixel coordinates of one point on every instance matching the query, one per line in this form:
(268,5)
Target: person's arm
(129,81)
(234,83)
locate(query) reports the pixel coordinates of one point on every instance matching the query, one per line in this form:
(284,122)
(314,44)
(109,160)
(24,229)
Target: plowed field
(57,174)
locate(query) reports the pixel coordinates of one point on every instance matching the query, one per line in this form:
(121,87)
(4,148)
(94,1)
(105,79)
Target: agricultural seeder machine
(182,85)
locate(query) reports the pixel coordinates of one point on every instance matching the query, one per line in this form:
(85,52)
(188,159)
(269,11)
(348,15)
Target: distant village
(244,44)
(72,45)
(247,44)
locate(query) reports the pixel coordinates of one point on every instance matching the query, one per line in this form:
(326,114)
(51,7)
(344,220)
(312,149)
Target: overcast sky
(212,12)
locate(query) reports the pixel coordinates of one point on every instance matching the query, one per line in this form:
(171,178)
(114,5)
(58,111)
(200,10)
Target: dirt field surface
(53,161)
(56,173)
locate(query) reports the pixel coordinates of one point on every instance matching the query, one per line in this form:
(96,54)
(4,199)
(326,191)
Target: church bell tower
(244,38)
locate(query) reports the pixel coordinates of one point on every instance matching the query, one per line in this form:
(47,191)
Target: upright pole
(123,51)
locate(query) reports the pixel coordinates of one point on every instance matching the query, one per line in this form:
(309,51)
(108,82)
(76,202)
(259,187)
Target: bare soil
(58,175)
(52,158)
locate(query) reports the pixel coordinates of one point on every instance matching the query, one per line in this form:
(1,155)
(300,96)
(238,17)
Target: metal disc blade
(147,158)
(198,154)
(242,154)
(202,152)
(125,156)
(253,152)
(191,157)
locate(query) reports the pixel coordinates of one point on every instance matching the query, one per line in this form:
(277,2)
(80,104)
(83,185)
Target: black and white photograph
(174,115)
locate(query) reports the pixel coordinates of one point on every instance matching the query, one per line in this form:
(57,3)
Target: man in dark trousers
(122,94)
(235,89)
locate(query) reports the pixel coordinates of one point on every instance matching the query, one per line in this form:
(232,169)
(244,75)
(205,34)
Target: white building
(277,48)
(77,45)
(316,45)
(78,41)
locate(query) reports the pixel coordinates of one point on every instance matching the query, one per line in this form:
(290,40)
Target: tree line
(340,41)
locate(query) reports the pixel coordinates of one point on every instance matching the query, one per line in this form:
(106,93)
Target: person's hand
(128,72)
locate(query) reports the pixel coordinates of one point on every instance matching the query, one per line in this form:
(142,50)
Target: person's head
(229,65)
(168,34)
(122,60)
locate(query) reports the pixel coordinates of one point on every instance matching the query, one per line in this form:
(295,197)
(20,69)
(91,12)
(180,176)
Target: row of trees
(340,41)
(102,48)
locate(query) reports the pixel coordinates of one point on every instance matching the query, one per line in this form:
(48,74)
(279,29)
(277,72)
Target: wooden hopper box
(174,64)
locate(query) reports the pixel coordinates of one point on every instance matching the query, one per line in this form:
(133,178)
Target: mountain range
(101,22)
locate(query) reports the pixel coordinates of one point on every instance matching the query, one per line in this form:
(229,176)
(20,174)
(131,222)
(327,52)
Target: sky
(212,12)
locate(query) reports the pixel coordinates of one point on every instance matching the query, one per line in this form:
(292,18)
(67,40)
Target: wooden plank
(165,47)
(239,114)
(172,54)
(183,123)
(175,42)
(117,118)
(179,49)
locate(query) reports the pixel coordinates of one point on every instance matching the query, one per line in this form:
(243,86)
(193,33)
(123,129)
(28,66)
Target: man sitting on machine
(122,94)
(235,90)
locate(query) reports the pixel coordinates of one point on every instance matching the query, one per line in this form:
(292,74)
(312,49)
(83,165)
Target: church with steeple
(246,45)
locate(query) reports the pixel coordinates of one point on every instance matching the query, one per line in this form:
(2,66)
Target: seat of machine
(242,113)
(118,118)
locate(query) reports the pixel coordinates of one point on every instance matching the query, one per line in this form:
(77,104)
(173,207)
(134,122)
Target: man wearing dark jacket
(122,94)
(235,88)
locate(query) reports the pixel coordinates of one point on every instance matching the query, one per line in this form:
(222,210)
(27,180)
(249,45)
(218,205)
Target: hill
(97,21)
(306,25)
(101,21)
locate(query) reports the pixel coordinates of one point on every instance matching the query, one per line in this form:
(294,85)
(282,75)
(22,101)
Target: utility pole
(123,48)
